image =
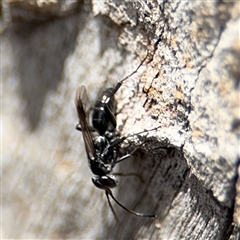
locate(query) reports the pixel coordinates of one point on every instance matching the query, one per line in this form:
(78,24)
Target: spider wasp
(103,150)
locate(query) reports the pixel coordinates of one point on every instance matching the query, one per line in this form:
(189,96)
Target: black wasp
(102,150)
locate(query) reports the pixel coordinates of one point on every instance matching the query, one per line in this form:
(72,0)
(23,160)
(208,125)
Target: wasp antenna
(109,192)
(110,205)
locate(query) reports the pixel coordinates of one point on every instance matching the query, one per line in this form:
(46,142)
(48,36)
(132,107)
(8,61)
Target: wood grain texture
(188,87)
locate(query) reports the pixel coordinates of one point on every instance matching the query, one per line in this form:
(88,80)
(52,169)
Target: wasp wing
(81,101)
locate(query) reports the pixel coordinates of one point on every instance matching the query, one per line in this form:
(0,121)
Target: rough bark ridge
(188,87)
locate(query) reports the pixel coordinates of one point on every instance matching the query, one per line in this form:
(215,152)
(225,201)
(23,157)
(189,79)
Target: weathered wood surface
(189,87)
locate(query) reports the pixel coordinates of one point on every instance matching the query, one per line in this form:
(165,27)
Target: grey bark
(188,87)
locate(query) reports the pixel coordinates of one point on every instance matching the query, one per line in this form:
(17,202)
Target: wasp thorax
(100,142)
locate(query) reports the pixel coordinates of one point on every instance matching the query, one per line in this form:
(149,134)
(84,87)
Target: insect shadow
(103,150)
